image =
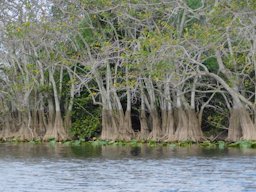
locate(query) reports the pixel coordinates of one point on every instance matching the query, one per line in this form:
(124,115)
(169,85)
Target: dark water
(32,168)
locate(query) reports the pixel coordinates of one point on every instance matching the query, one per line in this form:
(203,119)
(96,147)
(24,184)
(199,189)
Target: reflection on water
(45,167)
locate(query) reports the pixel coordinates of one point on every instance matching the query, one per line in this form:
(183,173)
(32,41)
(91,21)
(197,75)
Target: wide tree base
(241,126)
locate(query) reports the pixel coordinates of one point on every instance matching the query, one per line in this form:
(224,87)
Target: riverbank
(150,143)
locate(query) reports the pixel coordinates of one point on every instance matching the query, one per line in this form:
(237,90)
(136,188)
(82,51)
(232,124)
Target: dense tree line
(156,69)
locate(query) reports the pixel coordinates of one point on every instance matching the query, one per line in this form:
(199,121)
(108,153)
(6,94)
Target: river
(60,168)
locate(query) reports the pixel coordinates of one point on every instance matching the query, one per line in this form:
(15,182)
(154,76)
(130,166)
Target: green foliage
(173,145)
(243,144)
(208,144)
(87,127)
(67,143)
(152,143)
(184,143)
(216,119)
(194,4)
(134,143)
(18,30)
(85,124)
(52,141)
(221,145)
(76,143)
(99,143)
(86,34)
(214,145)
(36,141)
(211,64)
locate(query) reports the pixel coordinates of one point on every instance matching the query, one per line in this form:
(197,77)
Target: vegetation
(179,70)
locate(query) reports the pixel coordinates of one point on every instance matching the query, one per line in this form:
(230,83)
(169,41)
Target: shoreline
(243,144)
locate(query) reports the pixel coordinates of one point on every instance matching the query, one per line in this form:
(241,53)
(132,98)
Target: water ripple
(117,170)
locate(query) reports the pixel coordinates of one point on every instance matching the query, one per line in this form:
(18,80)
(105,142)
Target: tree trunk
(144,127)
(234,130)
(58,132)
(67,121)
(156,133)
(50,120)
(169,127)
(58,126)
(240,124)
(188,128)
(181,120)
(41,123)
(144,130)
(109,127)
(194,129)
(125,127)
(6,129)
(164,120)
(125,122)
(25,133)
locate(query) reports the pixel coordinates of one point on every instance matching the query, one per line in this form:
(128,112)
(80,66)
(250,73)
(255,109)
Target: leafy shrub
(86,127)
(85,118)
